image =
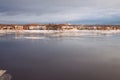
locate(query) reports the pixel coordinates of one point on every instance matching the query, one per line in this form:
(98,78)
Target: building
(19,27)
(38,27)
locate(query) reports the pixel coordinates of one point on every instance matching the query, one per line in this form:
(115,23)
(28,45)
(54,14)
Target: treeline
(57,27)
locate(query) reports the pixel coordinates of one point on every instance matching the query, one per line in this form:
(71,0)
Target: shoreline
(60,31)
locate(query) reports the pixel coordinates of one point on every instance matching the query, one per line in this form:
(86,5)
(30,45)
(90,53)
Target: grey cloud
(47,11)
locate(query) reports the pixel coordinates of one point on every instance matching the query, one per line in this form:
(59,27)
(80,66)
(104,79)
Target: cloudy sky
(60,11)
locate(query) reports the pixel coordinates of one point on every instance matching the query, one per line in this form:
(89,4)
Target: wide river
(46,57)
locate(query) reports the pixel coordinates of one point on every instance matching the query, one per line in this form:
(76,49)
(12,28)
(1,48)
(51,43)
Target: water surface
(45,57)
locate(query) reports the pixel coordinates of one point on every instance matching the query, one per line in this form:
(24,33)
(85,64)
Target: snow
(2,72)
(82,32)
(29,37)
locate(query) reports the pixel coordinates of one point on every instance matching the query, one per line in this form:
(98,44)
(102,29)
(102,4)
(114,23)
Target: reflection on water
(47,57)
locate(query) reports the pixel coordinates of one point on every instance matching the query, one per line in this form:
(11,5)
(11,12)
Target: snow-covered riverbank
(61,31)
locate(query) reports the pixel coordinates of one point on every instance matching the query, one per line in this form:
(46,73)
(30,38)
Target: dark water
(42,57)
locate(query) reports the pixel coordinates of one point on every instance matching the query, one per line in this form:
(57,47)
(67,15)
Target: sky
(60,11)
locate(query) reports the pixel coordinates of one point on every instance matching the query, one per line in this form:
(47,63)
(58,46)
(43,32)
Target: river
(44,57)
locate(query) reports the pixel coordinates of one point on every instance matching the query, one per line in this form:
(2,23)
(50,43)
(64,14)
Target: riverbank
(61,31)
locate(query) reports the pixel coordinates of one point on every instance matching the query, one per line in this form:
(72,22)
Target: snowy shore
(20,34)
(61,31)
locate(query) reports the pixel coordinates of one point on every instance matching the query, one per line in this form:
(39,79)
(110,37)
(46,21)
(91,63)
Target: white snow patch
(29,37)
